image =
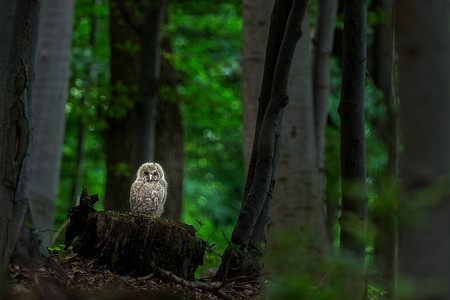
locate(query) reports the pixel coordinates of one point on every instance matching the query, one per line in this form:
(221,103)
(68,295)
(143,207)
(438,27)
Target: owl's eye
(146,173)
(155,174)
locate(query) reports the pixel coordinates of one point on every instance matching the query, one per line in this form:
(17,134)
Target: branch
(195,284)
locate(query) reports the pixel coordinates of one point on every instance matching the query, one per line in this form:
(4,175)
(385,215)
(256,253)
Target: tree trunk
(352,149)
(244,254)
(129,138)
(321,73)
(18,39)
(119,139)
(255,28)
(49,99)
(297,201)
(383,76)
(149,72)
(386,244)
(324,39)
(423,44)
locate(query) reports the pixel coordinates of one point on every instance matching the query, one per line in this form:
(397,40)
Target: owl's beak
(150,178)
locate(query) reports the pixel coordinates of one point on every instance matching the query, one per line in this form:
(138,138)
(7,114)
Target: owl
(148,193)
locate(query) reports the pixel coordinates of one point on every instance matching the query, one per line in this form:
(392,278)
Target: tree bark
(297,206)
(285,30)
(324,38)
(118,137)
(255,28)
(423,45)
(352,149)
(351,111)
(385,219)
(18,38)
(149,73)
(49,99)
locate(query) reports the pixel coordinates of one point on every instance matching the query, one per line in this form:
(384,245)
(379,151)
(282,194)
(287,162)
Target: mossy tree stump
(133,244)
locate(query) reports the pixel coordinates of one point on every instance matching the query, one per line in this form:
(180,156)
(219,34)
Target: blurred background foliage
(206,41)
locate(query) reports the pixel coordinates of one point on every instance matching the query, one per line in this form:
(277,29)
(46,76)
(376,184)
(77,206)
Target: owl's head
(150,172)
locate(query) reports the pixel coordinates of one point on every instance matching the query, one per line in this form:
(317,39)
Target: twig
(146,276)
(58,232)
(195,284)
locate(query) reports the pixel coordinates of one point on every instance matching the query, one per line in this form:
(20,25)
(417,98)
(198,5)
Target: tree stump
(133,244)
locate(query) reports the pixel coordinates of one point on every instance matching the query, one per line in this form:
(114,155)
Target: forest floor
(83,279)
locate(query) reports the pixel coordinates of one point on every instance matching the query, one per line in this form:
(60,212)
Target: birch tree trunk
(423,44)
(49,99)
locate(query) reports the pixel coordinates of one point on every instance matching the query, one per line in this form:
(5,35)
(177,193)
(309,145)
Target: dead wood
(133,244)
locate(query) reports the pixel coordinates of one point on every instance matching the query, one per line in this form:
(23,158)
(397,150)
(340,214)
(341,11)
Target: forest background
(206,56)
(206,40)
(200,111)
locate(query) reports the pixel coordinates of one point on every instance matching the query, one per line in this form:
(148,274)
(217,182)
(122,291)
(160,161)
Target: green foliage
(28,224)
(88,95)
(61,252)
(206,41)
(206,45)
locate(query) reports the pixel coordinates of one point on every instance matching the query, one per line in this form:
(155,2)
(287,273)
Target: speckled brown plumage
(148,193)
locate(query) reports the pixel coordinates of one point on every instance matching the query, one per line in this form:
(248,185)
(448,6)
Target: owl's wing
(164,195)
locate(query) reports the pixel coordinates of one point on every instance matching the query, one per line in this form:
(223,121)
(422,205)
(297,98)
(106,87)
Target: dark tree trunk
(119,135)
(18,241)
(244,254)
(352,149)
(149,71)
(129,138)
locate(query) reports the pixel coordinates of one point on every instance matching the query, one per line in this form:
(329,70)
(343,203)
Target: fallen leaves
(79,278)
